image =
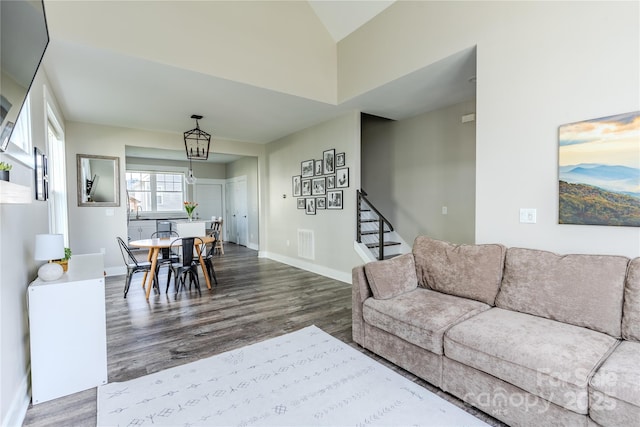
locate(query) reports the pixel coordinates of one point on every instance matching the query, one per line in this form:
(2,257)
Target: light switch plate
(528,215)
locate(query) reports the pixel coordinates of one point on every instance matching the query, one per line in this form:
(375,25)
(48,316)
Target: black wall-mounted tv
(24,37)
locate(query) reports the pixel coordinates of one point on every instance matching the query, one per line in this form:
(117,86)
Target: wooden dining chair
(217,233)
(134,266)
(187,265)
(207,250)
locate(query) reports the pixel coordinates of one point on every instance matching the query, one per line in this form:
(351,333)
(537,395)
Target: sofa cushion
(420,317)
(582,290)
(614,391)
(631,310)
(468,271)
(549,359)
(392,277)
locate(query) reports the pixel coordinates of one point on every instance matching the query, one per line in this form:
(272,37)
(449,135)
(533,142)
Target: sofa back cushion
(582,290)
(392,277)
(631,310)
(468,271)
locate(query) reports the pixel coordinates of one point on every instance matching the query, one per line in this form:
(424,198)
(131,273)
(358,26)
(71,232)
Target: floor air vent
(306,244)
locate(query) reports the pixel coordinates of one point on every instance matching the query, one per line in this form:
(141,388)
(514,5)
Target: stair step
(365,233)
(365,210)
(377,245)
(391,256)
(368,220)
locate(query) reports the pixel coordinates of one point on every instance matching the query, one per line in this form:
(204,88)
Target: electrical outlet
(445,210)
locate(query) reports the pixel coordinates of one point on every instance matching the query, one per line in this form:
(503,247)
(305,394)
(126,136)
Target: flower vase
(190,216)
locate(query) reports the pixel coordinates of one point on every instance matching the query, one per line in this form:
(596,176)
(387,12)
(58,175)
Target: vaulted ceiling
(256,71)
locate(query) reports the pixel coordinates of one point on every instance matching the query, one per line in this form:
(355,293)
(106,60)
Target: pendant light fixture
(196,142)
(190,178)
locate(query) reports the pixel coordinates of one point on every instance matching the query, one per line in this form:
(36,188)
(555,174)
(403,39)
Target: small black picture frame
(340,160)
(318,186)
(329,161)
(306,168)
(321,203)
(296,186)
(318,167)
(310,206)
(334,199)
(331,182)
(342,178)
(306,187)
(40,171)
(301,203)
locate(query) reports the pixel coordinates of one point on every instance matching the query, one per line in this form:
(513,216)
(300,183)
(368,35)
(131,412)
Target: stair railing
(382,221)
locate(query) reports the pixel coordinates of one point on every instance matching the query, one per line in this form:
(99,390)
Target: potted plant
(4,171)
(64,262)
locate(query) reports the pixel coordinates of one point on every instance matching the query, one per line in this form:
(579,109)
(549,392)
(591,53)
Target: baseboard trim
(115,271)
(253,246)
(304,265)
(19,404)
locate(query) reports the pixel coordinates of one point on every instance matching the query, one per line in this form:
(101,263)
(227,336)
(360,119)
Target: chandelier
(196,142)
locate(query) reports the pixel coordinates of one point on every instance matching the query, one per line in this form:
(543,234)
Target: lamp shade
(49,246)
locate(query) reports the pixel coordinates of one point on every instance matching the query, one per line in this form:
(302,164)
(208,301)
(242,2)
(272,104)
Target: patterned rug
(305,378)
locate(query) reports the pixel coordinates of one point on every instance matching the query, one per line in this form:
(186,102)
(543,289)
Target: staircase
(375,234)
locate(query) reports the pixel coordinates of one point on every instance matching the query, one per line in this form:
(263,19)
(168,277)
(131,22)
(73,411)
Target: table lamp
(48,247)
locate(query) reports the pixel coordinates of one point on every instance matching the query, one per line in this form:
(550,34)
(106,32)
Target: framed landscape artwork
(599,171)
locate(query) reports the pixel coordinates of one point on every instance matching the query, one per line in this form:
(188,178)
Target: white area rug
(305,378)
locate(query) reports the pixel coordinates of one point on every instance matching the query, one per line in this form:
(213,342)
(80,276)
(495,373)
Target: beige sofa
(527,336)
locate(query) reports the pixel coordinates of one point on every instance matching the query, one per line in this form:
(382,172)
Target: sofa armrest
(360,292)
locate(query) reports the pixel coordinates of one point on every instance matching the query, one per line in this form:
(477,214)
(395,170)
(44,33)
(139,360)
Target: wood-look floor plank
(255,299)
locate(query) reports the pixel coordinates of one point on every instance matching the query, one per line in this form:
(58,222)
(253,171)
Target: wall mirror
(98,180)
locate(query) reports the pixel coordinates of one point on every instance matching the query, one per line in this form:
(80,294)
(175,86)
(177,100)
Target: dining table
(155,245)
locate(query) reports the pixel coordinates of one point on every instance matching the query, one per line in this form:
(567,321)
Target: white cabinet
(141,229)
(67,325)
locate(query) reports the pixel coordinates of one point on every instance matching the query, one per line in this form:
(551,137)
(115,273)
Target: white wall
(412,168)
(583,63)
(334,230)
(18,226)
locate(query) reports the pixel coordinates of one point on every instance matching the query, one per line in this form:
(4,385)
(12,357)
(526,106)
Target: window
(155,191)
(58,220)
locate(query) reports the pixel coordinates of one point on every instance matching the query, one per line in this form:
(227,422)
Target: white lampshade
(49,246)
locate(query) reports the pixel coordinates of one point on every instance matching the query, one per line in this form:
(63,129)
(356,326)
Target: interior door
(242,219)
(229,219)
(237,215)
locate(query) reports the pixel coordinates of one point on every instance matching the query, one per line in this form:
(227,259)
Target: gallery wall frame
(315,188)
(310,208)
(342,178)
(306,168)
(318,186)
(334,199)
(306,187)
(328,161)
(599,171)
(296,185)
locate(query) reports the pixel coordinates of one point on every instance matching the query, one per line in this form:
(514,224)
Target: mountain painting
(599,171)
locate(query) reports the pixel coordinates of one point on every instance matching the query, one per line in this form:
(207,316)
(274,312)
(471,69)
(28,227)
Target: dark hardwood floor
(255,299)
